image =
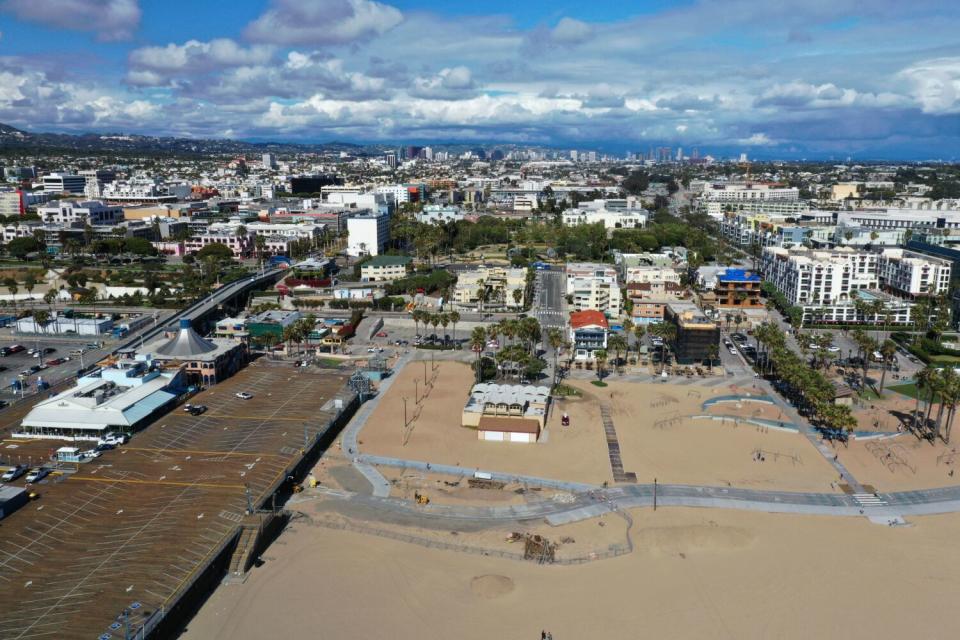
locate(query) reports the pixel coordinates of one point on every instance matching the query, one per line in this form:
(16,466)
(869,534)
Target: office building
(367,234)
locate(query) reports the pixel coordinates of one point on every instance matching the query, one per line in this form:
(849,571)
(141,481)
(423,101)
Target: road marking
(215,453)
(157,482)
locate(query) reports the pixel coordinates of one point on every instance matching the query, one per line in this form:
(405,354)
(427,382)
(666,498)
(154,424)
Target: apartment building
(588,334)
(385,268)
(909,274)
(498,285)
(806,276)
(600,294)
(697,337)
(241,245)
(63,183)
(72,212)
(738,288)
(613,213)
(367,234)
(12,203)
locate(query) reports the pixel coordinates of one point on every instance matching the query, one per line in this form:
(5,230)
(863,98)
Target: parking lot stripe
(169,483)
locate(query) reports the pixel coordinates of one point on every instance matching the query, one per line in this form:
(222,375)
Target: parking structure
(137,524)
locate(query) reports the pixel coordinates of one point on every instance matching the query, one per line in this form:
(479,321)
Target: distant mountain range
(12,138)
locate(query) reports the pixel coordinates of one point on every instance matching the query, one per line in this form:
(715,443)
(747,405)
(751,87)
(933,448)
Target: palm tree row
(436,320)
(299,331)
(807,388)
(940,387)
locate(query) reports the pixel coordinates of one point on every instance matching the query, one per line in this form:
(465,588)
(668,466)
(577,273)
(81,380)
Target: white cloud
(109,19)
(194,56)
(757,140)
(451,84)
(571,31)
(322,22)
(935,84)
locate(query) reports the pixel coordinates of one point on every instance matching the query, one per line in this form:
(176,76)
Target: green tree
(20,247)
(216,250)
(600,356)
(478,340)
(11,285)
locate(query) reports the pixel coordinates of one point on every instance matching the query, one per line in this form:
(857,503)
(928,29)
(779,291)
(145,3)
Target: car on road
(733,351)
(42,352)
(93,345)
(37,474)
(13,473)
(55,362)
(243,395)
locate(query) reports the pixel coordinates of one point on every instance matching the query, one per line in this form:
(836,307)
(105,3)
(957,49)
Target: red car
(382,334)
(55,362)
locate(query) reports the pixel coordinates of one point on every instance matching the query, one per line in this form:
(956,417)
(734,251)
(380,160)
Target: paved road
(549,298)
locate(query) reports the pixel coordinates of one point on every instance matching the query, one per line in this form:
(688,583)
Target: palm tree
(667,333)
(11,285)
(617,344)
(454,319)
(921,380)
(29,283)
(953,398)
(713,353)
(444,321)
(600,355)
(41,318)
(555,340)
(478,339)
(627,330)
(639,330)
(517,299)
(888,350)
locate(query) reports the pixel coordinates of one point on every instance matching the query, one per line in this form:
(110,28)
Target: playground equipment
(763,454)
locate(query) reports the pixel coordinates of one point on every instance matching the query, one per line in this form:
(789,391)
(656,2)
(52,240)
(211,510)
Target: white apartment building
(717,197)
(368,234)
(63,183)
(498,284)
(296,231)
(525,202)
(651,275)
(589,270)
(819,277)
(23,229)
(909,274)
(138,189)
(398,192)
(600,294)
(900,218)
(73,212)
(433,213)
(614,213)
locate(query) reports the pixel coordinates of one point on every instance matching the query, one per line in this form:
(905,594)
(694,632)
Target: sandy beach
(695,574)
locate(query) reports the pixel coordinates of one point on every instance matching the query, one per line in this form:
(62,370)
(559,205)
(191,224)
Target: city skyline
(796,80)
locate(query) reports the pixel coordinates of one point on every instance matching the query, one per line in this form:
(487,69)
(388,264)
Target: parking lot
(19,363)
(132,527)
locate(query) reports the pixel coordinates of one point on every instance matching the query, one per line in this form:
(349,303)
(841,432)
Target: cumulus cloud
(567,33)
(570,31)
(757,140)
(322,22)
(451,84)
(935,84)
(152,66)
(687,102)
(109,19)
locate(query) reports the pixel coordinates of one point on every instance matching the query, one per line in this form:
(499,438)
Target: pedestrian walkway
(613,448)
(869,500)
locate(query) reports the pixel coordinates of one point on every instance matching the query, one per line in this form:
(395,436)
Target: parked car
(114,438)
(14,473)
(371,350)
(382,334)
(42,352)
(38,474)
(91,453)
(198,410)
(105,446)
(243,395)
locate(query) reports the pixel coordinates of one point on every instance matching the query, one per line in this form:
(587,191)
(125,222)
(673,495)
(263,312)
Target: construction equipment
(297,488)
(420,498)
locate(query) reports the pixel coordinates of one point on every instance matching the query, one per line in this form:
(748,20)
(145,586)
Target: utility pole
(404,412)
(654,494)
(416,391)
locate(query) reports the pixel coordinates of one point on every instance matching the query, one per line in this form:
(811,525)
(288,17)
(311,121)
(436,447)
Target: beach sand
(694,574)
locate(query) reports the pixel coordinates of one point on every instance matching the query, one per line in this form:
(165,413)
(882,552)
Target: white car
(37,474)
(243,395)
(14,473)
(91,453)
(733,351)
(115,439)
(833,348)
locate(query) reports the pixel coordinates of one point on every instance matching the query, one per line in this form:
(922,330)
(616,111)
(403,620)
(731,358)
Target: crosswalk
(869,500)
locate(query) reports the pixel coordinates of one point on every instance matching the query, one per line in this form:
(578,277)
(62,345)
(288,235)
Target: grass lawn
(598,383)
(909,389)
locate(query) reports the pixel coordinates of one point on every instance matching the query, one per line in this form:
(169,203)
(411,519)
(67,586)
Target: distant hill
(13,139)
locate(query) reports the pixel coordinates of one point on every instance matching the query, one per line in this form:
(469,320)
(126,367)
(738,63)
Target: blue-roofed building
(116,399)
(738,288)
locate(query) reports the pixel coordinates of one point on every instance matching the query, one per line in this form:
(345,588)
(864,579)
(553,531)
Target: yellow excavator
(420,498)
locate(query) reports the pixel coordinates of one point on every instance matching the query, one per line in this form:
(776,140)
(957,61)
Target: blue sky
(793,78)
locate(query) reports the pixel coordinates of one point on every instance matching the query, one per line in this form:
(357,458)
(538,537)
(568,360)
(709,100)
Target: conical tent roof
(186,343)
